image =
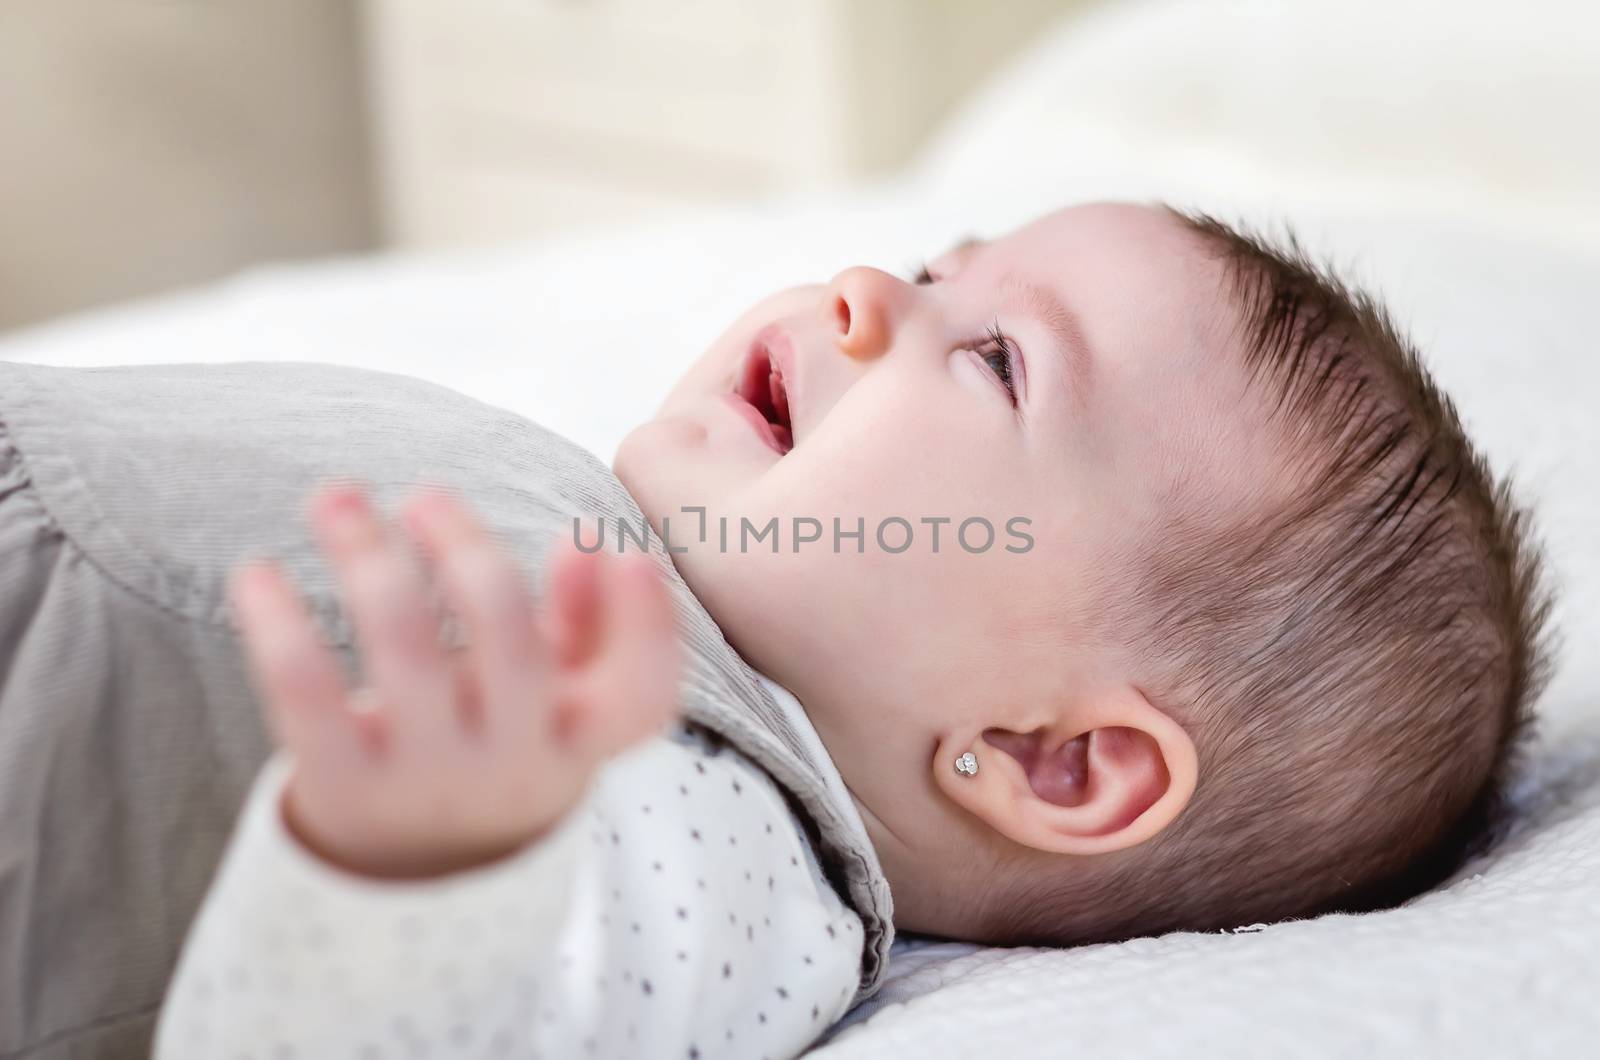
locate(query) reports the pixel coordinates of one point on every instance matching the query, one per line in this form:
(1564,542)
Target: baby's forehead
(1146,229)
(1135,260)
(1172,339)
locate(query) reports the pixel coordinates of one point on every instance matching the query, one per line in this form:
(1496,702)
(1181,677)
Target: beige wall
(150,144)
(146,144)
(508,119)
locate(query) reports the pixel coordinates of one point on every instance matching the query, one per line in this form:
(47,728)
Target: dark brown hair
(1356,664)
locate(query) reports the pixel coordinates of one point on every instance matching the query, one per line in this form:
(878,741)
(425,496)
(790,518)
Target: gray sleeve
(129,731)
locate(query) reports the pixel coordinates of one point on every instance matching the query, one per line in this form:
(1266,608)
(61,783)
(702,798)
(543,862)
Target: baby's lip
(765,382)
(757,421)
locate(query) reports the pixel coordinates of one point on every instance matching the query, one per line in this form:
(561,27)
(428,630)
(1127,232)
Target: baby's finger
(635,677)
(296,676)
(383,591)
(570,618)
(486,589)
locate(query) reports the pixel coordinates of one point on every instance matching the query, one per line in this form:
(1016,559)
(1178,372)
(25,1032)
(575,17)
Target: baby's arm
(455,780)
(441,878)
(674,913)
(292,957)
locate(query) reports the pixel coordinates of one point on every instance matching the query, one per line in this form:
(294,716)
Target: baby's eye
(1000,355)
(921,275)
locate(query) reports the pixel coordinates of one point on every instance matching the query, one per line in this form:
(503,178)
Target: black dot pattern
(695,923)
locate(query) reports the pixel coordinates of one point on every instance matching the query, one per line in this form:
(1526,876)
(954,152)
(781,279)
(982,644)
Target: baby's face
(1112,399)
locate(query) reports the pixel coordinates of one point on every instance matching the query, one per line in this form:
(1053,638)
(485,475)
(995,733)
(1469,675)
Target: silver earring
(967,764)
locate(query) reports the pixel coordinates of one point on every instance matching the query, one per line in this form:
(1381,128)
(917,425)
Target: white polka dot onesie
(678,911)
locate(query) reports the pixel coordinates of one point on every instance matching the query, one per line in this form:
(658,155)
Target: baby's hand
(443,762)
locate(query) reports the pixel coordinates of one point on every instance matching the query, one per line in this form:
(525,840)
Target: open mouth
(762,386)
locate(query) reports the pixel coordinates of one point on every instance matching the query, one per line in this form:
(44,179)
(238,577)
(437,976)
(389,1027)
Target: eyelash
(1006,351)
(997,345)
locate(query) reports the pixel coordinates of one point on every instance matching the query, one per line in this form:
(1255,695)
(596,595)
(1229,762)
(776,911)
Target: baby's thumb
(569,618)
(637,673)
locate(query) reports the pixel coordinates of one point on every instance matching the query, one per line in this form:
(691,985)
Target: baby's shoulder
(690,767)
(694,844)
(691,792)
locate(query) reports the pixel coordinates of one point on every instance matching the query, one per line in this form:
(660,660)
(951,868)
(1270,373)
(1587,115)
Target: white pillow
(1486,111)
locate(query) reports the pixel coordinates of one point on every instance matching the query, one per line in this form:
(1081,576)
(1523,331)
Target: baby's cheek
(674,431)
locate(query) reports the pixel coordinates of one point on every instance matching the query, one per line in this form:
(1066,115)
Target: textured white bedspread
(1502,963)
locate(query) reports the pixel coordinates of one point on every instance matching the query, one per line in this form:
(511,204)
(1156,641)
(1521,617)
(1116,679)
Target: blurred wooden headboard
(146,144)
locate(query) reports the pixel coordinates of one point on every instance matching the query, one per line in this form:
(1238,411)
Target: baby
(1131,571)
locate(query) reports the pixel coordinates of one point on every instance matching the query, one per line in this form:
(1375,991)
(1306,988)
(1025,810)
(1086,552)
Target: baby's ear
(1100,775)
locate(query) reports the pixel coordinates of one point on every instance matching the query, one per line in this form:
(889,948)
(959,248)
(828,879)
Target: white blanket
(1447,157)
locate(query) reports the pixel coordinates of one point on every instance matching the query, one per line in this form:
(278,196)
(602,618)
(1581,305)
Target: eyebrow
(1072,345)
(961,249)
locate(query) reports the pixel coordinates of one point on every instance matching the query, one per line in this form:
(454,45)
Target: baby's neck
(895,858)
(794,712)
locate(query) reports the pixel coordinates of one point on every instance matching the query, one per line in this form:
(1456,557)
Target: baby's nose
(859,308)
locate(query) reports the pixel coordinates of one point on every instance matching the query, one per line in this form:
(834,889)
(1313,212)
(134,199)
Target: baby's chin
(648,456)
(664,465)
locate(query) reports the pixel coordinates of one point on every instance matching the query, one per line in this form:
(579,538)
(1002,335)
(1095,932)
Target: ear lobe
(1092,790)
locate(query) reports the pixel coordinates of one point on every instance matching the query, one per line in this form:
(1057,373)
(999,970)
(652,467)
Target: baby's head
(1233,619)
